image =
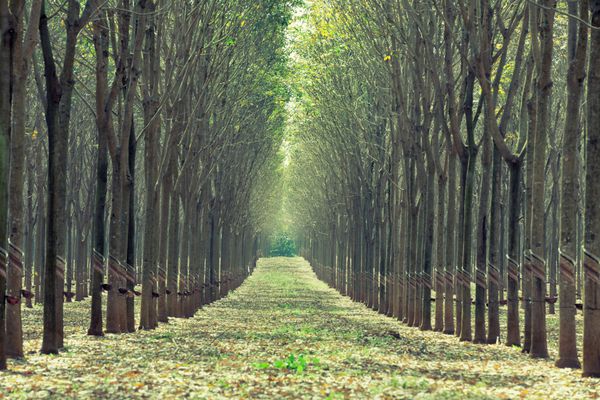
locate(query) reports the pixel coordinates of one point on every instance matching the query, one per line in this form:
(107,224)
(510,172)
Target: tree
(6,55)
(542,55)
(578,42)
(24,44)
(58,108)
(591,313)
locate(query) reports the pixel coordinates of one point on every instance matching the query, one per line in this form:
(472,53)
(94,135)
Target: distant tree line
(282,246)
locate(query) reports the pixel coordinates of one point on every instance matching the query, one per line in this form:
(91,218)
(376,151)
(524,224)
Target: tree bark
(23,44)
(57,147)
(591,312)
(539,347)
(152,245)
(450,245)
(495,250)
(578,41)
(6,54)
(480,335)
(99,233)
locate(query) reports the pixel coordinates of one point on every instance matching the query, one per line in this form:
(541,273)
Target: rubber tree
(59,92)
(543,46)
(578,43)
(591,312)
(6,54)
(24,42)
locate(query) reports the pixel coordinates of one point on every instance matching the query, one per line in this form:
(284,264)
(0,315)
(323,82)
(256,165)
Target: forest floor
(283,334)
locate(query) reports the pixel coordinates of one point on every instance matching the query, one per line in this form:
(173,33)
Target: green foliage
(282,246)
(294,363)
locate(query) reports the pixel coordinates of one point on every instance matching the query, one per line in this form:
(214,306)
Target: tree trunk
(114,309)
(164,246)
(6,49)
(539,348)
(40,248)
(31,243)
(173,263)
(450,246)
(440,275)
(69,259)
(567,344)
(465,325)
(152,245)
(130,254)
(20,71)
(460,245)
(57,168)
(428,224)
(480,335)
(591,313)
(99,231)
(513,337)
(81,264)
(496,250)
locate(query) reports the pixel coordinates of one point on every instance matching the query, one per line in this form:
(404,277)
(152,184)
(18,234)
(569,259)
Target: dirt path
(283,334)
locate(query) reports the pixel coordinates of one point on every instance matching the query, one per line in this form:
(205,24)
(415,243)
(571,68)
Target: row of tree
(451,148)
(138,143)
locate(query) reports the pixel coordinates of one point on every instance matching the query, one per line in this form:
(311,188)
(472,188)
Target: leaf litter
(282,334)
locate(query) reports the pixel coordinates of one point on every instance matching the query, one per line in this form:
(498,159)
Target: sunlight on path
(284,334)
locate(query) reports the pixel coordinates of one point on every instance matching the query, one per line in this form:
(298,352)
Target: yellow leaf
(131,374)
(387,58)
(243,24)
(34,134)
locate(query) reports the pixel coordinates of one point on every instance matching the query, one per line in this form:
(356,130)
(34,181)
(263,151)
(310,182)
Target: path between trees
(283,334)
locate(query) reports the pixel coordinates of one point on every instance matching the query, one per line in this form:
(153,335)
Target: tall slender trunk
(440,274)
(162,315)
(99,229)
(184,257)
(428,225)
(526,277)
(173,261)
(40,248)
(450,245)
(213,256)
(6,49)
(539,347)
(591,313)
(57,148)
(31,247)
(460,248)
(403,257)
(480,335)
(81,266)
(69,258)
(465,325)
(130,252)
(411,256)
(578,42)
(495,274)
(513,337)
(20,71)
(152,245)
(114,309)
